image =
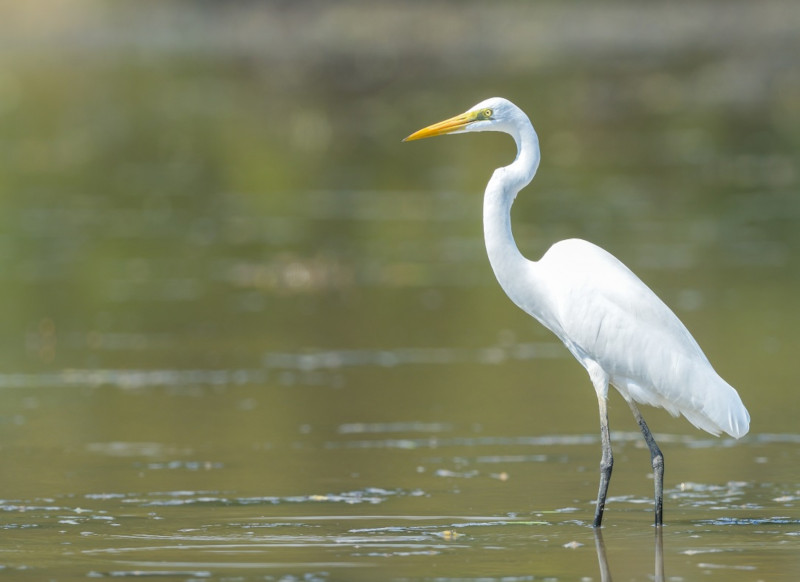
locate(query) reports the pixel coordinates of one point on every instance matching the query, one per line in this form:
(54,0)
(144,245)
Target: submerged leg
(606,461)
(657,460)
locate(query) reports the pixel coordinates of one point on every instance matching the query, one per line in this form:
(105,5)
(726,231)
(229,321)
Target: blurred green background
(221,188)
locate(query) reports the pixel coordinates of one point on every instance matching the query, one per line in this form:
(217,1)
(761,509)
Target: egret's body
(613,324)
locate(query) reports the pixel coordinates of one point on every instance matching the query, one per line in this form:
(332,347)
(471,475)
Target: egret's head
(492,114)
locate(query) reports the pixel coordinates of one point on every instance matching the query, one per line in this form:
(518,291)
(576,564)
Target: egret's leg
(606,461)
(657,460)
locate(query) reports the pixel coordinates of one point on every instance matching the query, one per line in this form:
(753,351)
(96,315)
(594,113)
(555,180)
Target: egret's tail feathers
(705,400)
(736,423)
(720,411)
(739,424)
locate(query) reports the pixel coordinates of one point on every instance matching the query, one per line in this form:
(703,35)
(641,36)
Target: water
(249,335)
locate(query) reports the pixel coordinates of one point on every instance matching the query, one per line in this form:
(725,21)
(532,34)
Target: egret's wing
(604,313)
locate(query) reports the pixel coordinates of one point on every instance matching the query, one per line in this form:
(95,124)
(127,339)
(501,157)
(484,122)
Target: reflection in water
(659,551)
(605,571)
(599,544)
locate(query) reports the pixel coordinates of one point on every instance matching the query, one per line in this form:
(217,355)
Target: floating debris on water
(449,534)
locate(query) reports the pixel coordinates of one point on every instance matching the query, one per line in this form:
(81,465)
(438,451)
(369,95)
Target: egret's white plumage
(615,326)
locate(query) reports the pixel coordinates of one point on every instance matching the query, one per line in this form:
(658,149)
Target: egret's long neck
(506,260)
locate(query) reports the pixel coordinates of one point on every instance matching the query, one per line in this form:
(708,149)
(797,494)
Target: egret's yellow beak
(446,126)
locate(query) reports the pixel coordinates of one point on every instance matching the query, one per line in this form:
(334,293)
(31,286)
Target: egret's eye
(486,114)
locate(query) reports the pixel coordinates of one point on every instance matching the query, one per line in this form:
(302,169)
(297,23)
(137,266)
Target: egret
(613,323)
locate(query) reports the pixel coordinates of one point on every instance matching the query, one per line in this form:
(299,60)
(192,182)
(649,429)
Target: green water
(250,335)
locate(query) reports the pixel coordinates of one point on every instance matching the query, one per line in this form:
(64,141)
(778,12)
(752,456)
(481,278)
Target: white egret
(613,324)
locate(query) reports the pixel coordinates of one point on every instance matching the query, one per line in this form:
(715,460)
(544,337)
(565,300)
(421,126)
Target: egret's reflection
(605,572)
